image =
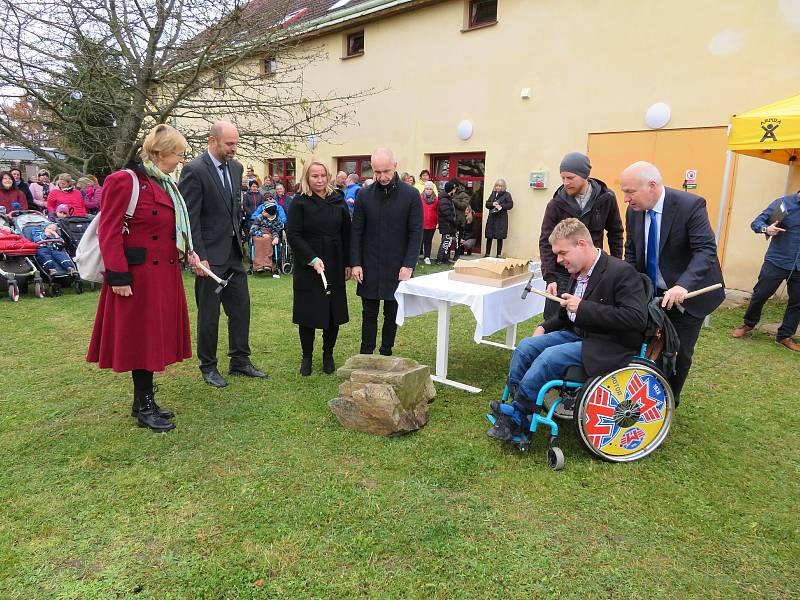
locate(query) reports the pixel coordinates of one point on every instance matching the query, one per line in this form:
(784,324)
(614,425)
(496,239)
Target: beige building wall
(591,66)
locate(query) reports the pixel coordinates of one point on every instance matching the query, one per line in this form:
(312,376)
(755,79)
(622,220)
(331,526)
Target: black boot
(328,366)
(149,417)
(305,366)
(164,413)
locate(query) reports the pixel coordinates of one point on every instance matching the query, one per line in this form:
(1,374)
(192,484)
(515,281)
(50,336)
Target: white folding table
(493,308)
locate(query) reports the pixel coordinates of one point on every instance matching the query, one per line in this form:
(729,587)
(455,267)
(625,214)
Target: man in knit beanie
(584,198)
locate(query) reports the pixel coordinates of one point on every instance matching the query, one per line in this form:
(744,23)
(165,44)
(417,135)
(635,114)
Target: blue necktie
(652,249)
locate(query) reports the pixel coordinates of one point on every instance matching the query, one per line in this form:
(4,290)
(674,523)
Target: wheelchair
(621,416)
(282,256)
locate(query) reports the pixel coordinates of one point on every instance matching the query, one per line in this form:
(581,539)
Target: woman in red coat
(9,195)
(142,323)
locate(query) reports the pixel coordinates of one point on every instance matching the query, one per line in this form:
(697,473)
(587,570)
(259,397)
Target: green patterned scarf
(183,231)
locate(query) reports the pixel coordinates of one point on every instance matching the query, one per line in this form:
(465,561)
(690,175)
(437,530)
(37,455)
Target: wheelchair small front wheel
(555,458)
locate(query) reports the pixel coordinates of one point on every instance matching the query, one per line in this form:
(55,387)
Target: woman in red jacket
(10,195)
(430,218)
(142,323)
(65,193)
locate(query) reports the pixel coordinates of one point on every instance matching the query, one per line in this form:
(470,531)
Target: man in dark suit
(210,186)
(599,326)
(385,242)
(669,237)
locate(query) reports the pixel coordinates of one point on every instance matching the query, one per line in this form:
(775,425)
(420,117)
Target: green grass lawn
(260,493)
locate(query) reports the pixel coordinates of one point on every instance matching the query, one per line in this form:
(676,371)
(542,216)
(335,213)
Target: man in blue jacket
(780,223)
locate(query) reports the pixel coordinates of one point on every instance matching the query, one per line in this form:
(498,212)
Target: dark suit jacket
(687,250)
(611,317)
(214,219)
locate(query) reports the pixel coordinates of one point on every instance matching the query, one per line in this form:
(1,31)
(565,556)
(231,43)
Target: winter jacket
(23,187)
(601,213)
(461,202)
(40,192)
(274,226)
(430,211)
(93,195)
(447,215)
(497,220)
(387,235)
(73,199)
(9,197)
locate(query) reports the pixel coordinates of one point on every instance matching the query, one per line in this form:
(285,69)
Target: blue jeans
(540,359)
(51,258)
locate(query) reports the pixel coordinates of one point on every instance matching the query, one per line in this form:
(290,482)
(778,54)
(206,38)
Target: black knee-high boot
(307,346)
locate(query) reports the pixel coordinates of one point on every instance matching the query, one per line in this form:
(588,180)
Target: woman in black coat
(447,223)
(499,203)
(318,229)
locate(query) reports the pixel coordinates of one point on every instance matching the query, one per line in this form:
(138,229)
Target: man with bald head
(385,241)
(669,237)
(210,186)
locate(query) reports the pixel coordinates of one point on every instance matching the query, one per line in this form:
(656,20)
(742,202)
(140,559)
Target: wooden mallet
(704,290)
(222,282)
(325,283)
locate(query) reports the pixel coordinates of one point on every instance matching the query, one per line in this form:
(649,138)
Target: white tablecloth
(494,308)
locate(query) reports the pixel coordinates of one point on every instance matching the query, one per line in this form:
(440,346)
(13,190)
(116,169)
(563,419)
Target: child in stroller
(52,260)
(265,235)
(51,254)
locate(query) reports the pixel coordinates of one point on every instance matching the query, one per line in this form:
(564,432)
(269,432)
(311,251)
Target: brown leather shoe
(741,331)
(790,344)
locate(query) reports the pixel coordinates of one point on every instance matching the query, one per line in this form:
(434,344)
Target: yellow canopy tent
(771,132)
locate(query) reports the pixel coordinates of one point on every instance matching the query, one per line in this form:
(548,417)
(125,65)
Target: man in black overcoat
(682,258)
(210,186)
(386,237)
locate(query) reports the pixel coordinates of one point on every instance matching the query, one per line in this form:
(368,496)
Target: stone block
(383,395)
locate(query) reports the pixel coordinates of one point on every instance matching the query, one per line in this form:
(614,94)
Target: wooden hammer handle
(209,272)
(709,288)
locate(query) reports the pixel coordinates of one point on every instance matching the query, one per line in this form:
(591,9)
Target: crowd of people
(374,232)
(82,196)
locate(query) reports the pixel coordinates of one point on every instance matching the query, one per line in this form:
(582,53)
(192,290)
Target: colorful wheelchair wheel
(625,415)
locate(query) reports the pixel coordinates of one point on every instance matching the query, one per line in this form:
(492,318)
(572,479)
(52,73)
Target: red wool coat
(150,329)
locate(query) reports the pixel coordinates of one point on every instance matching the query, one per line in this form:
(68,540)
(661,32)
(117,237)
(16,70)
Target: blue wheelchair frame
(547,420)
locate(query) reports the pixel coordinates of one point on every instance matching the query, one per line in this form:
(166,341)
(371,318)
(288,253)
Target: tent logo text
(769,126)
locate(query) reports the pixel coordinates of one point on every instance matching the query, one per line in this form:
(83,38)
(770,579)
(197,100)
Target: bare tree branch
(98,74)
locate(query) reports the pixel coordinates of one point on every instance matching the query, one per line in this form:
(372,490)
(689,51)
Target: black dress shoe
(385,351)
(305,366)
(214,378)
(328,366)
(247,370)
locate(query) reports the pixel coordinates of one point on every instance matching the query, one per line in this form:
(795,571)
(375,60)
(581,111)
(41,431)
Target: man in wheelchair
(599,327)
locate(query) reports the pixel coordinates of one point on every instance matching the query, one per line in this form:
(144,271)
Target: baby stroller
(25,224)
(72,230)
(17,264)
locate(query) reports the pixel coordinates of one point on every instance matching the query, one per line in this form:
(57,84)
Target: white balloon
(465,130)
(657,115)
